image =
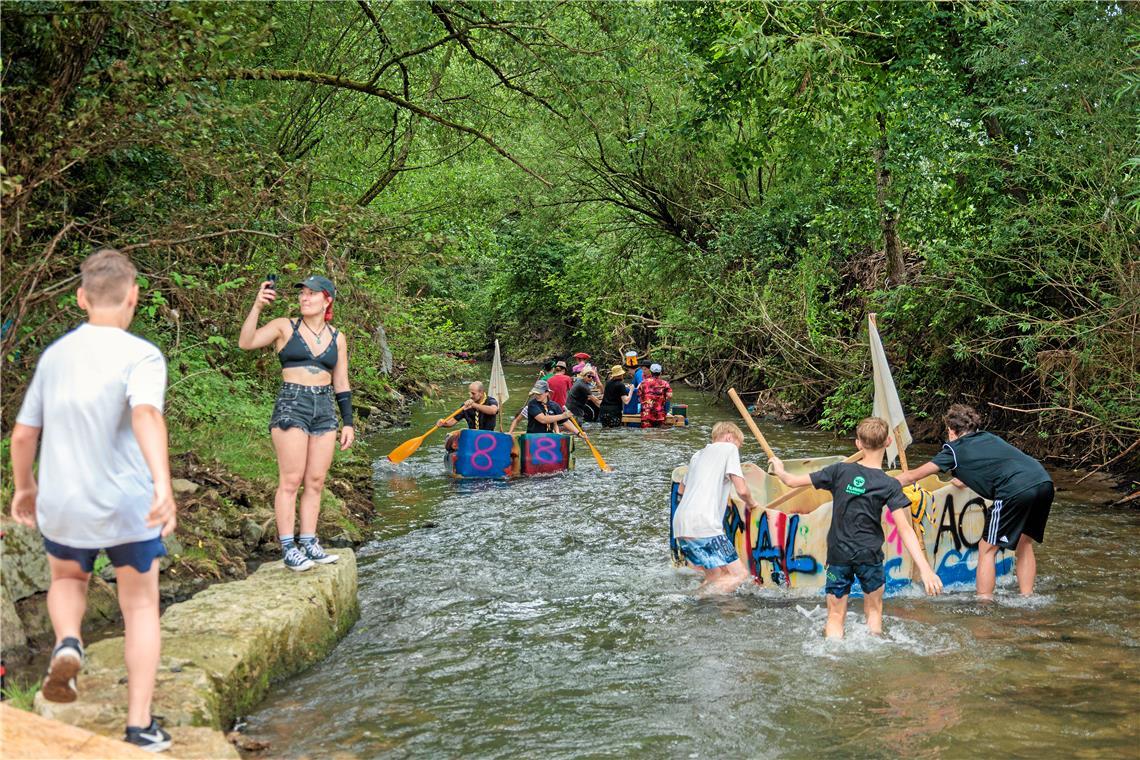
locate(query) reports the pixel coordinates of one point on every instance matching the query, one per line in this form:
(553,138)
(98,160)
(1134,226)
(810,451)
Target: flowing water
(542,617)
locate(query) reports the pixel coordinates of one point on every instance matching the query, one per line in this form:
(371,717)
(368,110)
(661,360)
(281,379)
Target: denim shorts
(139,554)
(714,551)
(840,577)
(309,407)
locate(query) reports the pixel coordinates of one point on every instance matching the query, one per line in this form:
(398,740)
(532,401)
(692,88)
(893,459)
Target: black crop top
(296,352)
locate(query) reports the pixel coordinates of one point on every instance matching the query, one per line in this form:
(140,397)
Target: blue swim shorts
(840,578)
(139,554)
(714,551)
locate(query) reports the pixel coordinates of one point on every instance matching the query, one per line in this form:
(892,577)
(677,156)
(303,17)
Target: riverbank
(221,651)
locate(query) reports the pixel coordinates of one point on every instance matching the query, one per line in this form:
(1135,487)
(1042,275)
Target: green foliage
(719,185)
(21,695)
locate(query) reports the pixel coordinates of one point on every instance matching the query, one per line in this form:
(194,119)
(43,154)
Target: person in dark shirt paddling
(580,401)
(855,538)
(614,397)
(543,415)
(1020,488)
(480,410)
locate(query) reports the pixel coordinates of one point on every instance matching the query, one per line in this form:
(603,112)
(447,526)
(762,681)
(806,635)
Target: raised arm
(251,336)
(791,481)
(917,474)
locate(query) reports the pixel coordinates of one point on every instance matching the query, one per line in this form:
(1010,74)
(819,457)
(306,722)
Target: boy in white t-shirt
(104,481)
(714,472)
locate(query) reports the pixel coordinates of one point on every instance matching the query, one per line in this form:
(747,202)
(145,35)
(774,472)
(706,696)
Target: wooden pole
(740,407)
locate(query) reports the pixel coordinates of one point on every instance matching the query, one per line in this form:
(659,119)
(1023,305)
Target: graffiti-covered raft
(488,454)
(790,550)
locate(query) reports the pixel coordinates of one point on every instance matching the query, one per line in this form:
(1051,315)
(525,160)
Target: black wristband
(344,401)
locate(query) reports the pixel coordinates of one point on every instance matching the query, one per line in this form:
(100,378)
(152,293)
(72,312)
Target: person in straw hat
(615,396)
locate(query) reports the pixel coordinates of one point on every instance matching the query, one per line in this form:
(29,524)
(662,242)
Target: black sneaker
(314,552)
(66,661)
(152,738)
(296,560)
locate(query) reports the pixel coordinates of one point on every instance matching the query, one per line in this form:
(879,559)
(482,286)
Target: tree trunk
(888,217)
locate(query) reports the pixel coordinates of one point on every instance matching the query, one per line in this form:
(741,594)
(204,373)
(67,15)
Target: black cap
(319,284)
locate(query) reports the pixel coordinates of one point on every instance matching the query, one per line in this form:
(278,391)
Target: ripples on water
(543,616)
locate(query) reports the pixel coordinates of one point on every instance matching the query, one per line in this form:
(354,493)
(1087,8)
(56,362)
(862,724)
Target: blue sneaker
(296,560)
(314,552)
(66,661)
(152,738)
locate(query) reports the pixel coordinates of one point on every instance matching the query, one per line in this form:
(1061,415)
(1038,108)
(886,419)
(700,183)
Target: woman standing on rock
(314,371)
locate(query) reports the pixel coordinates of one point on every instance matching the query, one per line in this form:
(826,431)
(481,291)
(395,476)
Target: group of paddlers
(631,389)
(560,393)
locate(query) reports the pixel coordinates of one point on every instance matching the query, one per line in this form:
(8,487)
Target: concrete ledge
(222,649)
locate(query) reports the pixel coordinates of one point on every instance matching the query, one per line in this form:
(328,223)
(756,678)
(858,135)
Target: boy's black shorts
(1025,512)
(841,577)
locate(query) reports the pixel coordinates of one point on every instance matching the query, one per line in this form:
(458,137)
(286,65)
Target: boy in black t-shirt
(855,538)
(1020,488)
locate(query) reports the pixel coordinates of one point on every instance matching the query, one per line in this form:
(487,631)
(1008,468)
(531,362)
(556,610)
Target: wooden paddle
(593,449)
(751,423)
(407,448)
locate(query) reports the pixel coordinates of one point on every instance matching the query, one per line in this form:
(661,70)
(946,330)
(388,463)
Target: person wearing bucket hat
(654,393)
(614,397)
(542,414)
(303,426)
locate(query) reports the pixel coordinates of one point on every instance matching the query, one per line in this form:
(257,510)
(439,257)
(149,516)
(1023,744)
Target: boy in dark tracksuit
(855,538)
(1020,488)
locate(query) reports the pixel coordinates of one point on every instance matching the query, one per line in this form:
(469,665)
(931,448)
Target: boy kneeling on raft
(698,523)
(855,539)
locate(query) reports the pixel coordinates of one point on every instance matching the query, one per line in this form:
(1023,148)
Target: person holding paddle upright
(314,374)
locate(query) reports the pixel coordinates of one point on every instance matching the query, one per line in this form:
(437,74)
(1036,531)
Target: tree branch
(286,75)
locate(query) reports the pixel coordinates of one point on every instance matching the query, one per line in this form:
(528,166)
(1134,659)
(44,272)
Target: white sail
(497,388)
(887,404)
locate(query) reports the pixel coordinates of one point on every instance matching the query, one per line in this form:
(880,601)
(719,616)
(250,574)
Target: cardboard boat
(678,417)
(487,454)
(782,549)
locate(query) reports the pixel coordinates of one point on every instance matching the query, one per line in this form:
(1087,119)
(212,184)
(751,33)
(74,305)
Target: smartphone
(272,282)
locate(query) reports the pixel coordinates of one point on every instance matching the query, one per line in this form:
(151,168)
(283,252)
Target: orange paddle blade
(593,449)
(407,448)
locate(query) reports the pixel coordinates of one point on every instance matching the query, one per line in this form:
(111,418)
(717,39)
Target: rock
(12,634)
(223,648)
(184,487)
(174,547)
(252,532)
(23,564)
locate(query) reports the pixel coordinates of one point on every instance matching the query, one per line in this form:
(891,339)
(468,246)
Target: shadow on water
(543,616)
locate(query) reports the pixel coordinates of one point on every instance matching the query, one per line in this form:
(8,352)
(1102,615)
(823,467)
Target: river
(542,617)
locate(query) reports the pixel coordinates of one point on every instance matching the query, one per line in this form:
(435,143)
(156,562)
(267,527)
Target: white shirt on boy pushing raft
(707,488)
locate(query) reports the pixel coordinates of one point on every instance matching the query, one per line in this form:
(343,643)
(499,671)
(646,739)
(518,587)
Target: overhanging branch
(329,80)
